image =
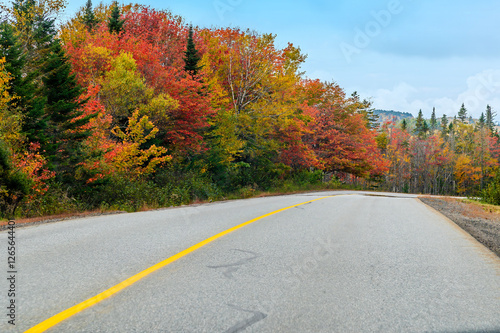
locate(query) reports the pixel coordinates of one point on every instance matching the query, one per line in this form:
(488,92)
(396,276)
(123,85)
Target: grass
(484,206)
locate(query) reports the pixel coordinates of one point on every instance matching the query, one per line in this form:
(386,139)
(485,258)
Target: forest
(125,107)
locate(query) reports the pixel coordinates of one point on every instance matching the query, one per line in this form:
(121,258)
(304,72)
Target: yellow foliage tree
(124,90)
(10,120)
(128,159)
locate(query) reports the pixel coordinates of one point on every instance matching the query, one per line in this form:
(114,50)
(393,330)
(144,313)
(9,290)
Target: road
(346,263)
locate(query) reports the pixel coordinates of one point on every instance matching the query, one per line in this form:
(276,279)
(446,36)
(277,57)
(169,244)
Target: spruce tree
(490,116)
(22,85)
(433,119)
(425,128)
(88,18)
(482,120)
(462,113)
(404,125)
(14,185)
(63,132)
(444,125)
(419,124)
(191,57)
(14,59)
(115,23)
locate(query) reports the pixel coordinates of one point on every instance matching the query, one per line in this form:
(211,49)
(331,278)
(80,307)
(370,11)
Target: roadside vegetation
(125,107)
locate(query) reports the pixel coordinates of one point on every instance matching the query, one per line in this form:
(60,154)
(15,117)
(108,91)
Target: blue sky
(404,55)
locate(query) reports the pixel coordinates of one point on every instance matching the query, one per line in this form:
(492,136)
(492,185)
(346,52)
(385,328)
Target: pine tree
(14,185)
(22,85)
(419,124)
(462,113)
(14,58)
(191,57)
(433,119)
(482,120)
(115,23)
(62,110)
(404,125)
(425,128)
(444,125)
(89,19)
(490,117)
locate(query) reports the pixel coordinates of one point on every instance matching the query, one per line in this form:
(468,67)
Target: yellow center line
(61,316)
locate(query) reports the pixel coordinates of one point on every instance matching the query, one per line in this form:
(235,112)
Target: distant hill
(386,115)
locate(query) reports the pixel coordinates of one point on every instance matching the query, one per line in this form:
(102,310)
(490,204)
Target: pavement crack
(241,325)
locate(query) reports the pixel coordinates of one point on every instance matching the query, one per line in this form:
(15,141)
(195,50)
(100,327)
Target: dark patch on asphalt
(240,326)
(233,267)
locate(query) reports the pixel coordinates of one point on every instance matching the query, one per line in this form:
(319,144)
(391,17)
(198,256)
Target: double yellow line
(54,320)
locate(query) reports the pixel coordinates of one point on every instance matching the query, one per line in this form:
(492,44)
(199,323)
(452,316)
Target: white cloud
(482,88)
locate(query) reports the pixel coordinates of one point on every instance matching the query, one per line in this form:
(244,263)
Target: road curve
(352,262)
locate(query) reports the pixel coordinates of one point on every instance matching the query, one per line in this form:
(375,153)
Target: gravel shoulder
(481,222)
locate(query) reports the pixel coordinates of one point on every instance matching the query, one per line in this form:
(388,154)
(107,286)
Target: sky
(403,55)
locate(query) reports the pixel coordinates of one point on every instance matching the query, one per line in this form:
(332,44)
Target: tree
(462,113)
(444,125)
(14,185)
(482,120)
(404,125)
(63,134)
(21,86)
(420,124)
(89,19)
(490,117)
(433,120)
(191,58)
(115,23)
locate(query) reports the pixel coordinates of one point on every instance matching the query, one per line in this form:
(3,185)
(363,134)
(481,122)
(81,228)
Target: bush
(491,194)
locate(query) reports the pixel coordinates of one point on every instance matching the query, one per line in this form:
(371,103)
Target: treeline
(450,155)
(128,107)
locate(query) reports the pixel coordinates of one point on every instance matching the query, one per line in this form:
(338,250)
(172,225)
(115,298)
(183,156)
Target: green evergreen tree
(14,59)
(433,119)
(444,125)
(425,128)
(404,125)
(419,124)
(115,23)
(490,117)
(14,185)
(63,132)
(191,56)
(22,85)
(482,120)
(88,18)
(462,113)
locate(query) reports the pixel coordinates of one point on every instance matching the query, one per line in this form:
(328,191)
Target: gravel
(485,228)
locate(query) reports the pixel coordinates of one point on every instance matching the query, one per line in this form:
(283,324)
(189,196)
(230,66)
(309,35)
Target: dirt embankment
(481,221)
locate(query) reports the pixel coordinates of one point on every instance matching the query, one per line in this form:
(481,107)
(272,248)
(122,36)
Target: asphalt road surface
(347,263)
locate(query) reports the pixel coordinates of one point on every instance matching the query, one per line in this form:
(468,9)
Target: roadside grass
(478,208)
(66,210)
